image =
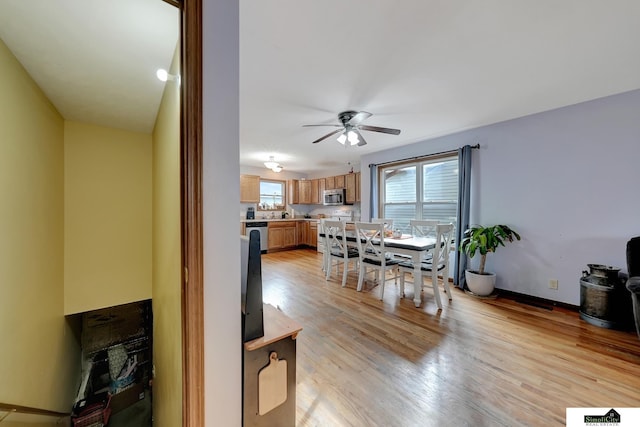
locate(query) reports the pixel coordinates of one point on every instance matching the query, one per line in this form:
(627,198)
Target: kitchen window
(272,195)
(422,189)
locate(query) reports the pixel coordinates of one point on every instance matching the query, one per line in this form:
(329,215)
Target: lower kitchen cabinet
(282,235)
(292,234)
(303,232)
(312,235)
(308,233)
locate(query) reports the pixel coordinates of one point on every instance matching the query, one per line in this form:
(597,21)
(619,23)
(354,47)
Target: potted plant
(484,240)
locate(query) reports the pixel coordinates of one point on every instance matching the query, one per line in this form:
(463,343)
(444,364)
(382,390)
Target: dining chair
(337,249)
(439,262)
(423,227)
(373,255)
(322,244)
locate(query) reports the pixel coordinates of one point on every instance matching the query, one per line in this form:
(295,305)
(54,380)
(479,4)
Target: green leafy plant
(485,240)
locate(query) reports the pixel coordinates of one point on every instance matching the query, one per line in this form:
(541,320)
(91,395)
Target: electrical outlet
(553,284)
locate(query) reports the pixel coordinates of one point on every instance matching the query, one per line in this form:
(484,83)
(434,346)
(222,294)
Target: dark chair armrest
(633,284)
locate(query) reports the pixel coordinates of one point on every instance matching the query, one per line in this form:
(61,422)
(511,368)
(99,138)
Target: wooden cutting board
(272,384)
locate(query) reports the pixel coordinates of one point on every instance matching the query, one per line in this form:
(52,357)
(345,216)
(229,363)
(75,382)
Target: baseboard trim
(536,301)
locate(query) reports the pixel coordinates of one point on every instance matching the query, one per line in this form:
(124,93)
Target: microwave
(334,197)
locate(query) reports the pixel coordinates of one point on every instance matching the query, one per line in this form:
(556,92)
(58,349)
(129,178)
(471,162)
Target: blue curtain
(464,201)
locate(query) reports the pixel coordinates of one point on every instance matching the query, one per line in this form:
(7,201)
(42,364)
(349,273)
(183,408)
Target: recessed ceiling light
(163,76)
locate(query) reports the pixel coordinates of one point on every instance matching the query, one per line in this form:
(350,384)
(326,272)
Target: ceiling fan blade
(361,140)
(379,129)
(327,136)
(334,125)
(359,117)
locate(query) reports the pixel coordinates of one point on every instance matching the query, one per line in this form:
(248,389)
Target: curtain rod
(419,157)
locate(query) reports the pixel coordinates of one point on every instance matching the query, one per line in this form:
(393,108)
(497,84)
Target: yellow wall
(167,386)
(22,420)
(107,200)
(39,356)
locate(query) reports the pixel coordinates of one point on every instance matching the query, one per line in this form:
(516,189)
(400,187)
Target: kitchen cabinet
(290,237)
(304,192)
(330,182)
(282,234)
(315,188)
(357,186)
(303,232)
(350,186)
(276,238)
(339,181)
(249,189)
(312,234)
(293,192)
(321,188)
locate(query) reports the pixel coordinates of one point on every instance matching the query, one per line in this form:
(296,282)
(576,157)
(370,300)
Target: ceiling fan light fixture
(273,165)
(350,127)
(353,137)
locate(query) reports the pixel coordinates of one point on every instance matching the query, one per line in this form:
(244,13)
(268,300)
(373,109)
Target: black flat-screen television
(251,285)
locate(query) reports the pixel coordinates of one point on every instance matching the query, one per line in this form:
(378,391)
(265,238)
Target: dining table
(415,247)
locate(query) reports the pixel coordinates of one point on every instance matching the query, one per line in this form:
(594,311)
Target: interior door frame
(192,313)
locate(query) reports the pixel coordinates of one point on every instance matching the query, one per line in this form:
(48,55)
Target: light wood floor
(478,362)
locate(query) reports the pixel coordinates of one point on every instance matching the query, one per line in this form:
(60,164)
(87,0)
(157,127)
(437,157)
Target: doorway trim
(192,312)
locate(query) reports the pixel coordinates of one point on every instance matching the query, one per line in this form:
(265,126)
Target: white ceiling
(428,67)
(96,60)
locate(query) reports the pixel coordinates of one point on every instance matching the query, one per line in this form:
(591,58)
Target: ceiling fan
(350,127)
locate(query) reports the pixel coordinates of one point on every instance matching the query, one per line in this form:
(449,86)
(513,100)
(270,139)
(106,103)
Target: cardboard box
(105,327)
(128,397)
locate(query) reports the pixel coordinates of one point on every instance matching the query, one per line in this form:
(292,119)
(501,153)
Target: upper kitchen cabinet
(293,195)
(304,195)
(321,187)
(339,181)
(330,183)
(249,189)
(350,186)
(357,186)
(315,191)
(317,188)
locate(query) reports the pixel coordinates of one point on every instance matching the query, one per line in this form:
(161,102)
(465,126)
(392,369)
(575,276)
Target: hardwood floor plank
(478,362)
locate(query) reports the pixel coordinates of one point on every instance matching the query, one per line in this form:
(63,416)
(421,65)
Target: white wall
(221,196)
(565,179)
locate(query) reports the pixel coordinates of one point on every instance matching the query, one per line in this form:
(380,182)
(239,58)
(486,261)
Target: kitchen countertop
(278,219)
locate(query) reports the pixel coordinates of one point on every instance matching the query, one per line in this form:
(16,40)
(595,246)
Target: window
(424,189)
(272,195)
